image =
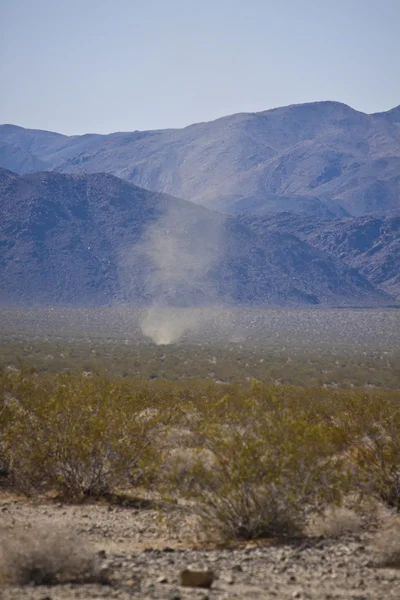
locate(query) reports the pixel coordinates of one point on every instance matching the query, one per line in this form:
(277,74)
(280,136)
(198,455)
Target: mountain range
(369,244)
(95,239)
(322,158)
(295,205)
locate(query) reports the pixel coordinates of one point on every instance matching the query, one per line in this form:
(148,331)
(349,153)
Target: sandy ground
(144,559)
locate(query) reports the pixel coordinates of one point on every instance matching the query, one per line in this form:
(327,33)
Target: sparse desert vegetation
(335,348)
(221,460)
(254,448)
(200,300)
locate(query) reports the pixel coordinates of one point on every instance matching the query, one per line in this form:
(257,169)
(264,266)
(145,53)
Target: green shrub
(252,459)
(77,435)
(267,469)
(375,450)
(4,418)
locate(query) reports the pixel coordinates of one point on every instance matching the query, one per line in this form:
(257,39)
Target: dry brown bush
(179,467)
(38,557)
(386,543)
(335,522)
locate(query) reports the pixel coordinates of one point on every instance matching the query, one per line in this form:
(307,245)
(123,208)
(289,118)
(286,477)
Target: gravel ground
(144,559)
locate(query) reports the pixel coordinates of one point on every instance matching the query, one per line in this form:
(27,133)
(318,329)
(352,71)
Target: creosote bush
(251,460)
(77,435)
(268,466)
(375,450)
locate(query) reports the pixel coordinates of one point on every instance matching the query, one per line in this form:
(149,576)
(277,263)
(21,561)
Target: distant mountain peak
(315,105)
(392,115)
(321,158)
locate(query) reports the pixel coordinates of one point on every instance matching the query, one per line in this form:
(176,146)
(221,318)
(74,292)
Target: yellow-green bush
(4,418)
(267,467)
(375,448)
(252,459)
(77,435)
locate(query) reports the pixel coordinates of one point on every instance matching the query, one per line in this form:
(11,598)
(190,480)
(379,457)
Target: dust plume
(167,325)
(182,250)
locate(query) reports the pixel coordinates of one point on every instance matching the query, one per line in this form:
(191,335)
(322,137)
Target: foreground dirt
(145,559)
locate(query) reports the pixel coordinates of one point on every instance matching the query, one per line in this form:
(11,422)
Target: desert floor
(143,558)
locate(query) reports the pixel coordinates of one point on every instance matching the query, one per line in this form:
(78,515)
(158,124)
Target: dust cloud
(183,249)
(167,325)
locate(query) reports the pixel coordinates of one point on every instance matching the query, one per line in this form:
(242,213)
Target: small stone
(162,579)
(202,579)
(104,575)
(237,568)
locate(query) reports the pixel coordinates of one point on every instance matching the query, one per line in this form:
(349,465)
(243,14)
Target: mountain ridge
(94,239)
(322,158)
(369,244)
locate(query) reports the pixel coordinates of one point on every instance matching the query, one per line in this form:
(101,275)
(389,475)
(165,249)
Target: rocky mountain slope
(322,158)
(369,244)
(96,239)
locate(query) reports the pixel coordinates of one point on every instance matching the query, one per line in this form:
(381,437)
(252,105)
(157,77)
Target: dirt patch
(145,559)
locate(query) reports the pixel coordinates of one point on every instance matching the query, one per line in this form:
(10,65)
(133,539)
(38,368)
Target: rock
(237,568)
(103,576)
(202,579)
(162,579)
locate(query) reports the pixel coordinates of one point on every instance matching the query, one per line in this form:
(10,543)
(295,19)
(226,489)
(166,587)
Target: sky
(78,66)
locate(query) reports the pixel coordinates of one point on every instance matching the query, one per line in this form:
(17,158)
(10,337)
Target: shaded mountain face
(95,239)
(322,159)
(369,244)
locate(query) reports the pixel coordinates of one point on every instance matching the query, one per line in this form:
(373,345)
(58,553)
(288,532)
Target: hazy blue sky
(105,65)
